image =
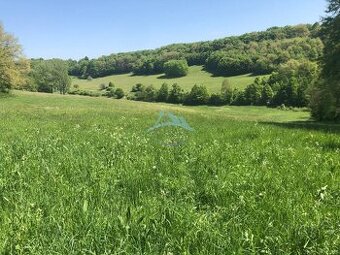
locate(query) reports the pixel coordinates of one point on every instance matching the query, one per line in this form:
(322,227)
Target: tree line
(288,86)
(258,52)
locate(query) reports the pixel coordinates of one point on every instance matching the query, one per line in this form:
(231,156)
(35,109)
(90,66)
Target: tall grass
(82,176)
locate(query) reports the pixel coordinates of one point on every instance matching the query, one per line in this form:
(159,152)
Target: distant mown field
(196,75)
(82,175)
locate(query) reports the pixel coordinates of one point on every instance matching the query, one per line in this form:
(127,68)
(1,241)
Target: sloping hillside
(196,75)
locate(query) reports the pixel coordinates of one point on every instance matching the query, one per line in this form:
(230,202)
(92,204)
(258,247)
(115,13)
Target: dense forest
(257,52)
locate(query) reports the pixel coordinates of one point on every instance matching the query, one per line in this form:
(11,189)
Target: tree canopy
(176,68)
(258,52)
(325,101)
(50,76)
(13,65)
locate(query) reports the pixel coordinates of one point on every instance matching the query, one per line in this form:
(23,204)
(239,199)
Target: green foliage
(176,68)
(110,92)
(163,93)
(198,96)
(259,52)
(326,93)
(113,92)
(150,94)
(52,75)
(289,85)
(216,100)
(138,91)
(13,66)
(119,93)
(263,57)
(267,95)
(292,81)
(176,94)
(85,93)
(253,93)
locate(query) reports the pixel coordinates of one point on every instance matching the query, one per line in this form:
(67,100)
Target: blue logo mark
(174,125)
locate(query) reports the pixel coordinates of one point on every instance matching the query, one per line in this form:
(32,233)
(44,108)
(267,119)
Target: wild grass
(82,176)
(196,75)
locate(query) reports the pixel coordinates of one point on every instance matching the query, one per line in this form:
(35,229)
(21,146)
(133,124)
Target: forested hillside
(257,52)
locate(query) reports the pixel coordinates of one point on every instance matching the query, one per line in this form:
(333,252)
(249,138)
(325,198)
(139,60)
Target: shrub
(85,93)
(138,91)
(150,93)
(216,100)
(176,94)
(119,93)
(110,92)
(163,93)
(138,87)
(198,96)
(176,68)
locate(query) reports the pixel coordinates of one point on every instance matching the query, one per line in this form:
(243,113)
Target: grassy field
(196,76)
(82,175)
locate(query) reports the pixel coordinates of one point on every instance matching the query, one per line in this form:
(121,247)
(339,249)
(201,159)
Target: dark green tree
(215,99)
(176,94)
(253,93)
(198,96)
(267,94)
(325,101)
(163,93)
(119,93)
(150,93)
(13,66)
(50,76)
(176,68)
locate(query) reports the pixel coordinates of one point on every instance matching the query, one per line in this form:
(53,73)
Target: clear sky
(75,28)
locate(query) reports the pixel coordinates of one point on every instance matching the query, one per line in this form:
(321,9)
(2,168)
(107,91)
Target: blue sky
(75,28)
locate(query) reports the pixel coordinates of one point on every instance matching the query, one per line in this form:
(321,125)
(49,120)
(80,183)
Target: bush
(163,93)
(76,86)
(138,92)
(198,96)
(85,93)
(150,94)
(110,92)
(323,103)
(176,68)
(119,93)
(216,100)
(176,94)
(138,87)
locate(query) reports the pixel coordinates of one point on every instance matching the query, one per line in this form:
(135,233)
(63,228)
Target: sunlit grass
(196,75)
(82,176)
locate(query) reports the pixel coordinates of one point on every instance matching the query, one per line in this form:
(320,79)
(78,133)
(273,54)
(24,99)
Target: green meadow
(197,75)
(83,176)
